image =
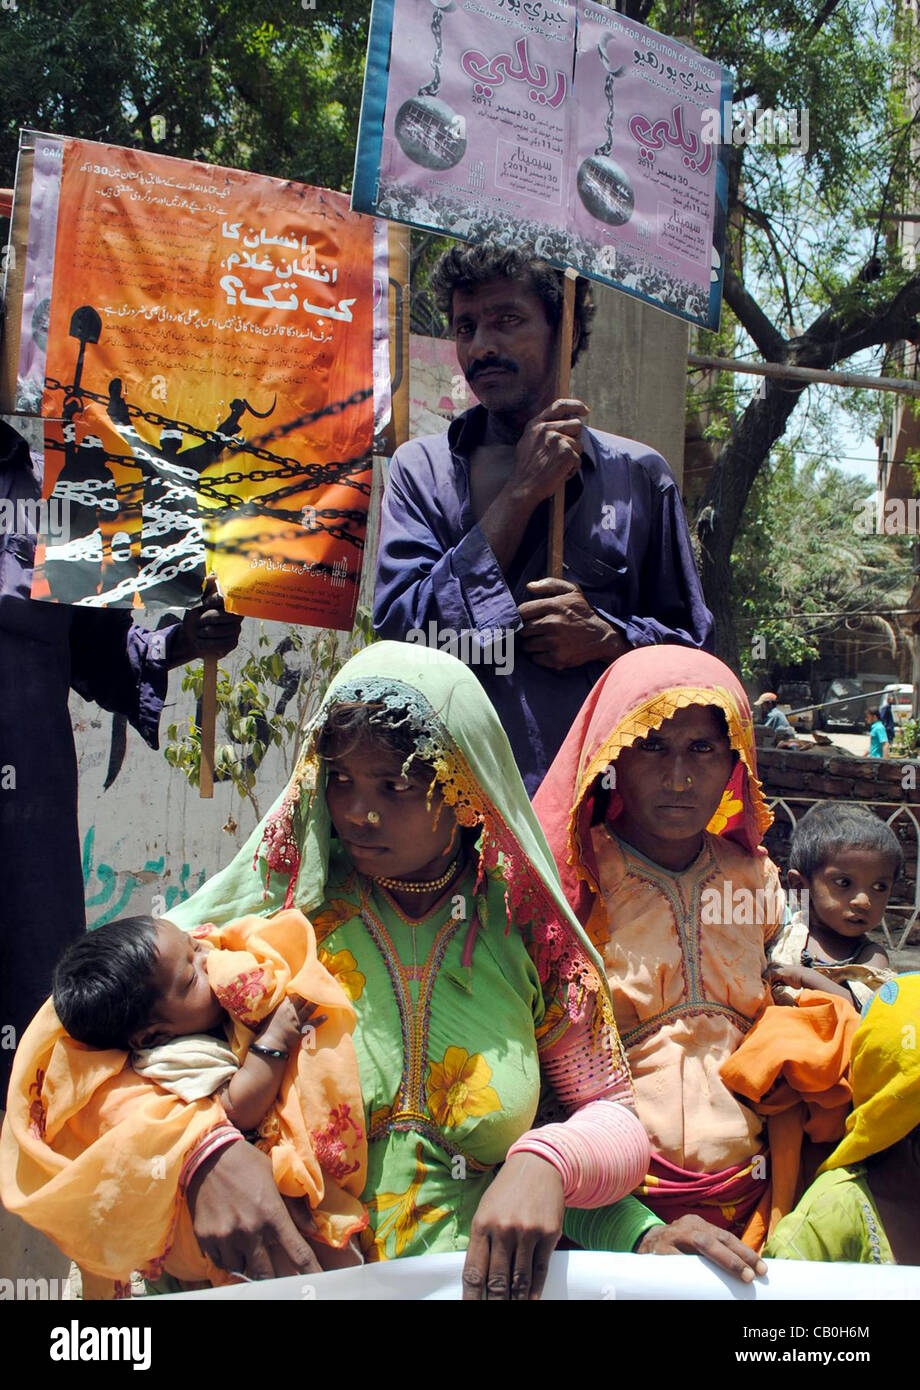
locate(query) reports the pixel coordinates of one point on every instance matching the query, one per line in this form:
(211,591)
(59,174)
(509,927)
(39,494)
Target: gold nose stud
(373,818)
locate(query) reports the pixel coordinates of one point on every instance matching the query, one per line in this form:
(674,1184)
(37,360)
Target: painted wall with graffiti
(148,840)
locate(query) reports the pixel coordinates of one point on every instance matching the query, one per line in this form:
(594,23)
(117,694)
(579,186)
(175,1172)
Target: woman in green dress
(406,836)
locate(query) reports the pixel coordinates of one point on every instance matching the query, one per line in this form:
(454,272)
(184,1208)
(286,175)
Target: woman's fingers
(291,1253)
(691,1235)
(476,1266)
(501,1264)
(523,1276)
(256,1262)
(541,1259)
(306,1011)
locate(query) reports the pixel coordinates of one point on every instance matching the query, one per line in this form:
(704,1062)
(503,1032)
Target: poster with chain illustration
(555,122)
(209,386)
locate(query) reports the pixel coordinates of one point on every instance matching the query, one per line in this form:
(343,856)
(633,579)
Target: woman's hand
(691,1235)
(514,1232)
(240,1219)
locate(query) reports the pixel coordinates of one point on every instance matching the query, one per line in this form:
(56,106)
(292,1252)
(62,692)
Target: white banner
(585,1276)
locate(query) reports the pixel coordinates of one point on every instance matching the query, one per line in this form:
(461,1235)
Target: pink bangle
(601,1153)
(215,1140)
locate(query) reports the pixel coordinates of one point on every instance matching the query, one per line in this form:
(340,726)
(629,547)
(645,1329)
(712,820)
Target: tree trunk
(722,507)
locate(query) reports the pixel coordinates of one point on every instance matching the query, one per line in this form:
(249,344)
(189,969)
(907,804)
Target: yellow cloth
(92,1154)
(885,1074)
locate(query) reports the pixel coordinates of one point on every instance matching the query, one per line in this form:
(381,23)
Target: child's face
(403,835)
(672,781)
(849,892)
(185,1001)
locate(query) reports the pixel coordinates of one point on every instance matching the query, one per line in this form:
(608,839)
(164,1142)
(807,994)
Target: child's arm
(248,1095)
(804,977)
(877,959)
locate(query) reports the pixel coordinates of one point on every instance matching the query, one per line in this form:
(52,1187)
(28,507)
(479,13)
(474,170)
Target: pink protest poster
(563,125)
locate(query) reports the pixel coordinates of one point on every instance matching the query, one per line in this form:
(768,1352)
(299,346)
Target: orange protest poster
(208,388)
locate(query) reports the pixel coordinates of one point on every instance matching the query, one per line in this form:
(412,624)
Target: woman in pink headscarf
(654,814)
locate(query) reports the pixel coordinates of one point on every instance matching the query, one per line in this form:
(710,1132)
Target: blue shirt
(777,720)
(877,740)
(627,547)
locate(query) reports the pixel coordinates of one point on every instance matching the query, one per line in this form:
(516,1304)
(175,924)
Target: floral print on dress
(458,1088)
(36,1109)
(344,968)
(730,808)
(333,915)
(404,1216)
(242,993)
(332,1143)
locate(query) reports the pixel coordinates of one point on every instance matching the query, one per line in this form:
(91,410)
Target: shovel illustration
(85,326)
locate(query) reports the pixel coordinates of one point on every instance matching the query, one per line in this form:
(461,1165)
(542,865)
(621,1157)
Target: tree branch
(770,342)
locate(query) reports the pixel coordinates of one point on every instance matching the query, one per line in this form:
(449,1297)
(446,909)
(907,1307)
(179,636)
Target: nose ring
(689,781)
(373,818)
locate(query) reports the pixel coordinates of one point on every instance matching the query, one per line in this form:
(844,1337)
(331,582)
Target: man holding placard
(463,541)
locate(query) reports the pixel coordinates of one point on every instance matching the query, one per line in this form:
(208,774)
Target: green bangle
(268,1051)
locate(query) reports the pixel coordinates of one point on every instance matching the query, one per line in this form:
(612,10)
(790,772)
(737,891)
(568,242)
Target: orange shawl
(793,1067)
(91,1154)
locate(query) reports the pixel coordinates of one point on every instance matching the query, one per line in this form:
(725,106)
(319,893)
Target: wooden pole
(778,370)
(563,376)
(208,727)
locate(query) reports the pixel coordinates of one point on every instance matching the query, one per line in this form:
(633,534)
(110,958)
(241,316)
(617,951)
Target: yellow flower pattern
(344,968)
(728,807)
(458,1087)
(404,1215)
(339,910)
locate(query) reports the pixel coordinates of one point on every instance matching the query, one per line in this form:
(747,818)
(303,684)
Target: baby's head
(847,860)
(134,983)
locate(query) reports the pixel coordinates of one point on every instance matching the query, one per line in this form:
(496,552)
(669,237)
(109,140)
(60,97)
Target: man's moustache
(496,365)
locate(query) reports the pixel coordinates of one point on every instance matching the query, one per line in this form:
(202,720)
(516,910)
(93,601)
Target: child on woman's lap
(202,1020)
(844,861)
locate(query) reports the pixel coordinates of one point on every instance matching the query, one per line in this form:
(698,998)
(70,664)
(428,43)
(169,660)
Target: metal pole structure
(807,374)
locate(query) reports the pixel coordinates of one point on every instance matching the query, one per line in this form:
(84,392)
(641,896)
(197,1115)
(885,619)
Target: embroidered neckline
(409,1110)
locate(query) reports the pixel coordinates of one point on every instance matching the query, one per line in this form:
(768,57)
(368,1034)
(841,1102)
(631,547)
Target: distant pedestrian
(879,744)
(772,716)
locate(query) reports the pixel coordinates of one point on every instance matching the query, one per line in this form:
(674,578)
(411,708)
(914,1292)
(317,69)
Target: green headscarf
(454,727)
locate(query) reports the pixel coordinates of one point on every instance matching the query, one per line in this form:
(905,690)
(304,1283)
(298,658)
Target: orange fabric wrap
(793,1067)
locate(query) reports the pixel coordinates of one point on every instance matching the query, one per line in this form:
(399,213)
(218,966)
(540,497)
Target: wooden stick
(208,727)
(902,385)
(563,376)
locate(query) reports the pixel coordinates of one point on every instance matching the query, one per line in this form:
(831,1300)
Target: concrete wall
(634,374)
